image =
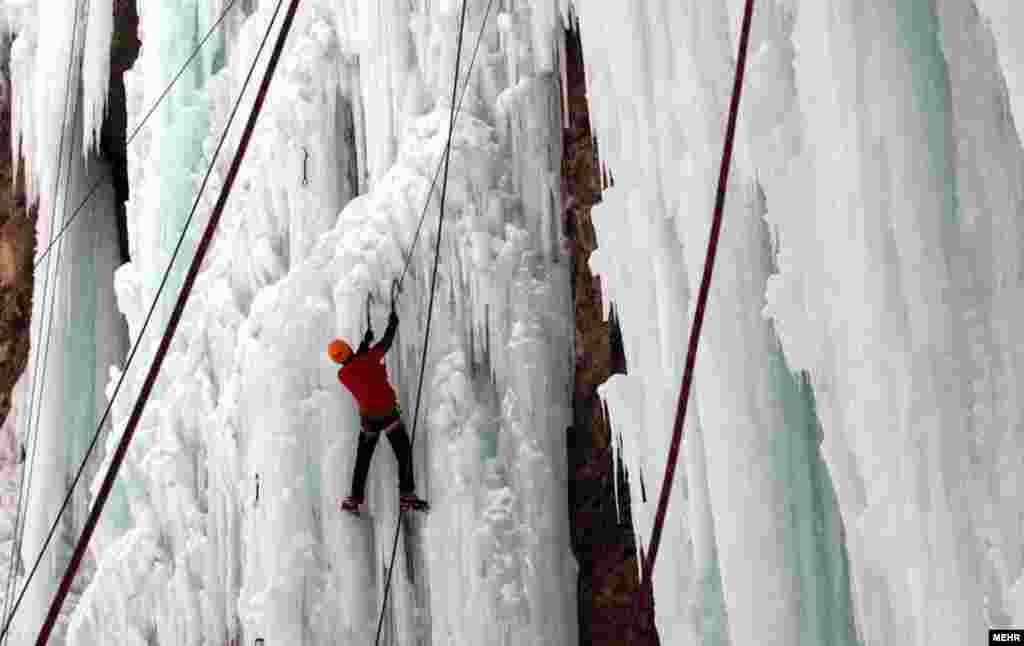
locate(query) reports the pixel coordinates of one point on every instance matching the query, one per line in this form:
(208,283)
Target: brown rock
(8,263)
(610,609)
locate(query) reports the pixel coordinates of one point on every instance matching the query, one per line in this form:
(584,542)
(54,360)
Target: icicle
(615,442)
(96,69)
(543,27)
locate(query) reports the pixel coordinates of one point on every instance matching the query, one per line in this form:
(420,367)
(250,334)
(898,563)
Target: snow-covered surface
(10,480)
(74,305)
(850,468)
(185,553)
(873,242)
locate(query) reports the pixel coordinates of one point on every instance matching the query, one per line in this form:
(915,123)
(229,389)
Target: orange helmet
(339,351)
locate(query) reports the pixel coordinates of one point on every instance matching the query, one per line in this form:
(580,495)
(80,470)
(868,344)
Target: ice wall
(11,472)
(224,523)
(86,336)
(865,289)
(59,68)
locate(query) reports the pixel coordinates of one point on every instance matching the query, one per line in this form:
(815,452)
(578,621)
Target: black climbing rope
(142,122)
(430,306)
(437,170)
(369,304)
(44,634)
(25,483)
(176,313)
(39,368)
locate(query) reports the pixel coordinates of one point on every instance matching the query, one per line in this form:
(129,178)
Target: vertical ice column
(913,168)
(87,336)
(1006,19)
(707,599)
(96,68)
(926,222)
(527,120)
(815,546)
(456,479)
(283,574)
(93,336)
(663,148)
(885,154)
(532,449)
(988,122)
(172,142)
(10,480)
(383,64)
(54,78)
(762,599)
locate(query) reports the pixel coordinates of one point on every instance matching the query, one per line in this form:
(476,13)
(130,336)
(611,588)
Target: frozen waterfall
(851,463)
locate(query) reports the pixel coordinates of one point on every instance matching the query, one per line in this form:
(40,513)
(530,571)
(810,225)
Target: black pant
(399,440)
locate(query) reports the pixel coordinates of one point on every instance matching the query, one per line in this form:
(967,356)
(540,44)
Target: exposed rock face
(602,536)
(17,248)
(124,49)
(17,224)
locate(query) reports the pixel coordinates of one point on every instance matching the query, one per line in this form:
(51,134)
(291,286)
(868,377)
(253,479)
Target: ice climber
(364,374)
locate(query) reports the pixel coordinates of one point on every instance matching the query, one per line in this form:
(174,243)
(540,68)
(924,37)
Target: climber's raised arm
(389,335)
(365,344)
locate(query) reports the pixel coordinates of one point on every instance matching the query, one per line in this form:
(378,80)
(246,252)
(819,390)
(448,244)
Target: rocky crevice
(124,49)
(602,535)
(17,249)
(18,221)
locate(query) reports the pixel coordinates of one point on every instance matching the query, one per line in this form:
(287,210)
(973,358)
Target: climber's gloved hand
(368,336)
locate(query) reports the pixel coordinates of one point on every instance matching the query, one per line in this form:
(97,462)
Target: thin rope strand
(430,314)
(25,484)
(145,325)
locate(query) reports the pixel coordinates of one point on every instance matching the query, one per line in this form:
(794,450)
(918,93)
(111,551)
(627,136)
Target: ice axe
(369,324)
(396,289)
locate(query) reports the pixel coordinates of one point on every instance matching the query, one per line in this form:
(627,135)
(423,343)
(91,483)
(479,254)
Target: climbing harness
(384,431)
(698,319)
(202,248)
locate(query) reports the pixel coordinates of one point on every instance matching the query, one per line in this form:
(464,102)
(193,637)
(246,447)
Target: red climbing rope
(698,319)
(165,342)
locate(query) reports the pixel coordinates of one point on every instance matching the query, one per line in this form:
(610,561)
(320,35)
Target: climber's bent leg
(367,443)
(399,441)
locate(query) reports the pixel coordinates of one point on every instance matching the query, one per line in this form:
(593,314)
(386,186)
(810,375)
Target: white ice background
(851,464)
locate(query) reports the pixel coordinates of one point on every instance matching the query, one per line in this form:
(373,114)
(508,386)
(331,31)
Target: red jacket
(367,379)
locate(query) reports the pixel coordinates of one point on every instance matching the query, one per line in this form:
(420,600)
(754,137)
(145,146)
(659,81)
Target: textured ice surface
(850,468)
(872,243)
(325,210)
(59,403)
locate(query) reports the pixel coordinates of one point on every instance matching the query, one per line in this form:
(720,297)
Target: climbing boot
(353,505)
(412,502)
